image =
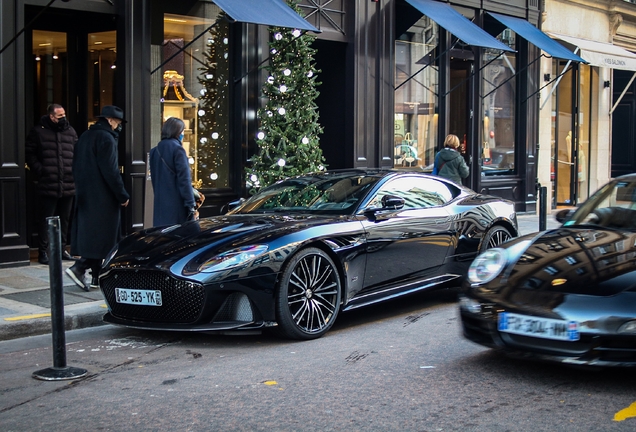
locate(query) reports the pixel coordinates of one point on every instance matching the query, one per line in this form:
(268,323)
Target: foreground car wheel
(308,296)
(494,237)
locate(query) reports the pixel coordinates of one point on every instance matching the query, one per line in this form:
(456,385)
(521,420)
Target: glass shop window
(416,95)
(194,88)
(498,107)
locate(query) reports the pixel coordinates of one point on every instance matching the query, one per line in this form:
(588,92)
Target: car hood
(163,246)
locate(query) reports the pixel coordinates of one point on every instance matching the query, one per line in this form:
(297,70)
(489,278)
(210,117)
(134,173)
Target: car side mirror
(392,202)
(232,205)
(563,215)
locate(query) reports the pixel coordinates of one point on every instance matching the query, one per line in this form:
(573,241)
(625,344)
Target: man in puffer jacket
(449,163)
(49,155)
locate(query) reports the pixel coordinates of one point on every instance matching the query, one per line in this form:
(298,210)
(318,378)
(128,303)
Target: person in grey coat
(100,194)
(449,163)
(170,176)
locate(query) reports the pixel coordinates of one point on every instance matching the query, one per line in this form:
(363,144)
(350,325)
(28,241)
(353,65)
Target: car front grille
(182,301)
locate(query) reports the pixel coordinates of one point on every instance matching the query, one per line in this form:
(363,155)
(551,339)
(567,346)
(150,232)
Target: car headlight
(487,266)
(232,258)
(629,327)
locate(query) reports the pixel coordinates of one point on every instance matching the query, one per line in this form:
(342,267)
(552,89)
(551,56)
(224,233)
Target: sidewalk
(25,298)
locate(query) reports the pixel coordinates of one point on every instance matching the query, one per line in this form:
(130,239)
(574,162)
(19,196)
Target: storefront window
(417,84)
(562,161)
(498,123)
(195,86)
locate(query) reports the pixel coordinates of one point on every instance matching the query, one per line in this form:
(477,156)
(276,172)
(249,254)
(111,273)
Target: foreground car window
(322,193)
(612,206)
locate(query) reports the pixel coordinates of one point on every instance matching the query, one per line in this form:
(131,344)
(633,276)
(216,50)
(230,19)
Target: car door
(411,242)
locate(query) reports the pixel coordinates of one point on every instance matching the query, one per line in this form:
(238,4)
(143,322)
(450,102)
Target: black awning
(457,24)
(266,12)
(536,37)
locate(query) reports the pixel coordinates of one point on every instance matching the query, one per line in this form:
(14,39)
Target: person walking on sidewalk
(100,194)
(170,175)
(449,163)
(49,155)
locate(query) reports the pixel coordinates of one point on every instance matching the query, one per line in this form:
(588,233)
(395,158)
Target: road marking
(626,413)
(26,317)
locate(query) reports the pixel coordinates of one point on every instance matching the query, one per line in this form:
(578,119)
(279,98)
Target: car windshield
(612,206)
(320,193)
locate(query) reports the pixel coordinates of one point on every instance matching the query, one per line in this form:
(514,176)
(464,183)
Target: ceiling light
(45,44)
(175,20)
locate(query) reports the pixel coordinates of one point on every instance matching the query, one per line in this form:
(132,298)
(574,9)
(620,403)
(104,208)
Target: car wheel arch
(501,224)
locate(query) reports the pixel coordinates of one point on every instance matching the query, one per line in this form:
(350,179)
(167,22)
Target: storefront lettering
(615,62)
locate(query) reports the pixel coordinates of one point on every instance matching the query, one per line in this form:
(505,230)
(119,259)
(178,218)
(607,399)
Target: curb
(75,317)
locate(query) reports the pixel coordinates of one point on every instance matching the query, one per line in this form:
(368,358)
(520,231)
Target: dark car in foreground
(567,294)
(298,252)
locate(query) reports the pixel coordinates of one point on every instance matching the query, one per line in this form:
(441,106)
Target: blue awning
(457,24)
(535,36)
(266,12)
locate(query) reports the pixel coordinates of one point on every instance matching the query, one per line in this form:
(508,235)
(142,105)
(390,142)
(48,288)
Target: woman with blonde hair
(449,163)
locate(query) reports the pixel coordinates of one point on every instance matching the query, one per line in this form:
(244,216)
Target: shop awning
(266,12)
(455,23)
(601,54)
(536,37)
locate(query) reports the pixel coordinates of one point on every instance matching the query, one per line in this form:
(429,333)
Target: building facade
(396,77)
(587,110)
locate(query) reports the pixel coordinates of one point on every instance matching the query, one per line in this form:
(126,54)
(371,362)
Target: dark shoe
(43,258)
(77,276)
(94,283)
(67,256)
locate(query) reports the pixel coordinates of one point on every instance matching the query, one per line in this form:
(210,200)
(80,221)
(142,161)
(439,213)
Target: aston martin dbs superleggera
(297,253)
(567,294)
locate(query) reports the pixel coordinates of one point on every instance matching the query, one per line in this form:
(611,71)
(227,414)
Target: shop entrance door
(71,60)
(564,140)
(461,102)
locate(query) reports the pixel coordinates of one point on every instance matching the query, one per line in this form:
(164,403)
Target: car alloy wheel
(308,296)
(494,237)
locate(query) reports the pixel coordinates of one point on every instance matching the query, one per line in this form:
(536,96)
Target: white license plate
(546,328)
(138,297)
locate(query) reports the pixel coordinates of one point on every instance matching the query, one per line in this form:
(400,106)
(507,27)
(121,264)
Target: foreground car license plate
(545,328)
(138,297)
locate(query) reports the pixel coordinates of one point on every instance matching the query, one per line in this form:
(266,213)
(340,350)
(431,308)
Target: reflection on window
(417,192)
(498,141)
(195,89)
(417,83)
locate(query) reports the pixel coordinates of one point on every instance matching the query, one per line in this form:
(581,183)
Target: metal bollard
(59,371)
(543,208)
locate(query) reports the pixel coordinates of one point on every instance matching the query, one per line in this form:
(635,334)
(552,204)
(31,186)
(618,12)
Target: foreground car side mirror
(389,202)
(392,202)
(563,215)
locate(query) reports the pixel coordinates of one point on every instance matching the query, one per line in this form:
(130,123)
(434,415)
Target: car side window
(418,192)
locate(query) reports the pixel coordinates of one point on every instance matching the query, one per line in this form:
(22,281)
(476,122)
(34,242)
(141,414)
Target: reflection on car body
(567,294)
(299,252)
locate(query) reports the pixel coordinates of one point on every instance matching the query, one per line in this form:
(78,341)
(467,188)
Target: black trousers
(51,206)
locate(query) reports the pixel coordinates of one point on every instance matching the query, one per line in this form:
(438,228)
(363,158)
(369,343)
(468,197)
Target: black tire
(494,237)
(308,295)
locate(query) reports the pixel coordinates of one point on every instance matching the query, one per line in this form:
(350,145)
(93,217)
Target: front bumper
(590,350)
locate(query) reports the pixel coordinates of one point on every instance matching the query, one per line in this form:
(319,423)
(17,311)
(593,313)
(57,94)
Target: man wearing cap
(99,196)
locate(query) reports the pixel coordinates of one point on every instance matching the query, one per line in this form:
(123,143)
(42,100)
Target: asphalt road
(401,366)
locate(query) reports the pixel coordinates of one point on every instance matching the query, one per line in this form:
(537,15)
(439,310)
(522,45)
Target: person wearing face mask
(100,194)
(49,156)
(170,175)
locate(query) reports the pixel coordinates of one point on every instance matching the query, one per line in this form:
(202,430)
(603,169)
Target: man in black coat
(49,155)
(100,194)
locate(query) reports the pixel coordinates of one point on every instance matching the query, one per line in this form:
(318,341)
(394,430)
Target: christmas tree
(288,143)
(211,159)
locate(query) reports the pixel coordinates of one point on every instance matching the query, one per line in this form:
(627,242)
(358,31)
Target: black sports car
(567,294)
(298,252)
